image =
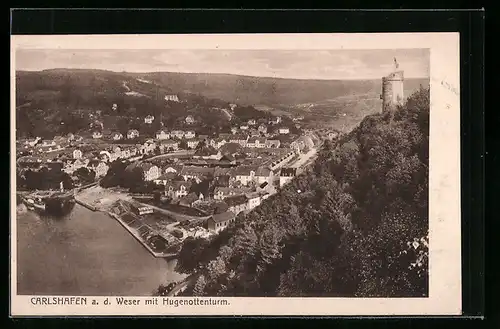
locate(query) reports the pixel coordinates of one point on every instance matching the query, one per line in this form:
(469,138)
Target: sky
(294,64)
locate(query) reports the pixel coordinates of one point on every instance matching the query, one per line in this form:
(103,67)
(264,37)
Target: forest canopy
(356,224)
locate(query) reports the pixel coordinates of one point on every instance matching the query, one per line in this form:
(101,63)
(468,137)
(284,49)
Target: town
(172,183)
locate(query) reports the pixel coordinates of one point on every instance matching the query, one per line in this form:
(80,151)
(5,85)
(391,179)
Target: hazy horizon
(278,64)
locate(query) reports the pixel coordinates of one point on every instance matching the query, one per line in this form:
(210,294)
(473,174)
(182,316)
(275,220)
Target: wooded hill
(355,225)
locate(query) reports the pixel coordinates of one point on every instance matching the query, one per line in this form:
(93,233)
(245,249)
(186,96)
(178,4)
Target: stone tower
(392,89)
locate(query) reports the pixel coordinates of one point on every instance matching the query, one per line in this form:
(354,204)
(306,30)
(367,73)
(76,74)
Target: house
(194,172)
(217,142)
(237,204)
(286,175)
(256,142)
(227,159)
(283,158)
(266,188)
(302,143)
(100,168)
(168,145)
(177,189)
(47,143)
(283,130)
(251,122)
(177,134)
(189,119)
(96,134)
(191,199)
(332,135)
(171,98)
(105,156)
(244,127)
(192,143)
(189,134)
(232,106)
(32,142)
(273,143)
(117,136)
(132,133)
(165,178)
(148,147)
(263,175)
(262,129)
(234,130)
(149,119)
(207,153)
(77,154)
(275,121)
(239,139)
(254,200)
(218,222)
(221,193)
(172,169)
(151,172)
(162,134)
(244,174)
(202,137)
(143,210)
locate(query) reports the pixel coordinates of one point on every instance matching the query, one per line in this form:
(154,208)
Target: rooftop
(223,217)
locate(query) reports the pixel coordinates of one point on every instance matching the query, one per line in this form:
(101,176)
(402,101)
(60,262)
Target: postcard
(235,174)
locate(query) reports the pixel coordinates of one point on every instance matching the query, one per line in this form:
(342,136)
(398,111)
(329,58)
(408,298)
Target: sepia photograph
(224,172)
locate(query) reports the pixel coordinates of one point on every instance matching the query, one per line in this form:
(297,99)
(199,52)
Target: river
(86,253)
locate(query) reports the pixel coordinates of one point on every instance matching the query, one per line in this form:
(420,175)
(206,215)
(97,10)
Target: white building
(77,154)
(162,134)
(151,172)
(284,130)
(149,119)
(132,133)
(117,136)
(172,98)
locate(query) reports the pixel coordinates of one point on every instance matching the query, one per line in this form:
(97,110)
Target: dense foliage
(44,179)
(355,225)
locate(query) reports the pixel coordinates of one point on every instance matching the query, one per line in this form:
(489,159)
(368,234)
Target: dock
(86,205)
(138,238)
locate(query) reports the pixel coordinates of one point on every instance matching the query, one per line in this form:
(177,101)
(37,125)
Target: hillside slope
(355,225)
(245,90)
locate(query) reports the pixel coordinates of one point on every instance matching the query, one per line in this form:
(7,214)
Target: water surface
(85,253)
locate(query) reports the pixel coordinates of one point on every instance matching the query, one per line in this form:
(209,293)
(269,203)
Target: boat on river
(54,204)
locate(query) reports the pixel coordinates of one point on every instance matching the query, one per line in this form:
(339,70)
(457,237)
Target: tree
(183,144)
(199,286)
(123,126)
(157,197)
(134,179)
(85,174)
(202,144)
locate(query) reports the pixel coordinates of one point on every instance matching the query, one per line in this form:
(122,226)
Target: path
(124,83)
(183,285)
(304,158)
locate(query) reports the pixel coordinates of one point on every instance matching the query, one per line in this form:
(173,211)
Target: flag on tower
(396,63)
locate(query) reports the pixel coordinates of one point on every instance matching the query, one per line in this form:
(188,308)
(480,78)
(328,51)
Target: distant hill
(248,90)
(340,104)
(245,90)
